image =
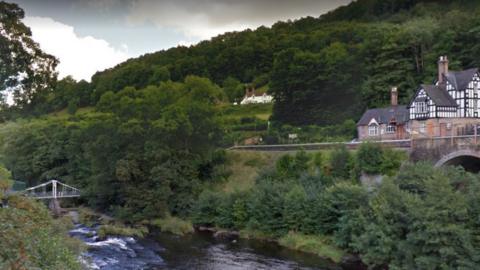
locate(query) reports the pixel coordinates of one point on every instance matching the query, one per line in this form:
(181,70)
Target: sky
(92,35)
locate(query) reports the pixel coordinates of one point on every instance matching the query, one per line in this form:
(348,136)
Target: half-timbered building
(448,107)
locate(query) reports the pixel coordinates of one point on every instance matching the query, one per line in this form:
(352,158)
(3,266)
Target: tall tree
(25,70)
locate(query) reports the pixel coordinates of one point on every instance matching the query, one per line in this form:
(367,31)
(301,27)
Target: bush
(370,158)
(318,245)
(341,162)
(205,211)
(173,225)
(339,200)
(418,221)
(30,239)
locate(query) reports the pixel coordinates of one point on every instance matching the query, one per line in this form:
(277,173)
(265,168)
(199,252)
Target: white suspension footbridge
(52,189)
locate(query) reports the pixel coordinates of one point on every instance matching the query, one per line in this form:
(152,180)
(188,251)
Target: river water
(197,251)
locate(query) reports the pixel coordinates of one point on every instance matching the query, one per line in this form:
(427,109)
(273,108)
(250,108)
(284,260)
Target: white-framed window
(421,107)
(373,129)
(390,129)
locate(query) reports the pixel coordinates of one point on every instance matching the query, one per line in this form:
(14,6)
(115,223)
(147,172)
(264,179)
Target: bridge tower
(52,191)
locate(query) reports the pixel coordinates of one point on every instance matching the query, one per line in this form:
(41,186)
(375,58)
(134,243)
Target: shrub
(337,201)
(318,245)
(340,162)
(370,158)
(173,225)
(205,211)
(30,239)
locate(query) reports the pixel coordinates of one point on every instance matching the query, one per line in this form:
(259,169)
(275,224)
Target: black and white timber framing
(454,95)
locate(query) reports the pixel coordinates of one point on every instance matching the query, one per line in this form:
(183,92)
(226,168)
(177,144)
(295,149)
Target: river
(197,251)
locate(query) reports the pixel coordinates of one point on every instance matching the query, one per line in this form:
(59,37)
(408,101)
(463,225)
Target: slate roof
(385,115)
(460,79)
(439,95)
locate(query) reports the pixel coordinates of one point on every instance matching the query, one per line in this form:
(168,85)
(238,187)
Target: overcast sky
(92,35)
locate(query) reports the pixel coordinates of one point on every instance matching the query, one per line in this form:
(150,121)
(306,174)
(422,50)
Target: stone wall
(434,149)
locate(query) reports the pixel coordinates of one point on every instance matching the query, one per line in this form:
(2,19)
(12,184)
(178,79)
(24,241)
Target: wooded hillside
(322,70)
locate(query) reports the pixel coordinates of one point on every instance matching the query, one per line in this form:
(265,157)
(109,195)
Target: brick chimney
(442,67)
(250,91)
(394,96)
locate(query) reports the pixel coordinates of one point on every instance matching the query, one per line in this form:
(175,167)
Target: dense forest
(320,70)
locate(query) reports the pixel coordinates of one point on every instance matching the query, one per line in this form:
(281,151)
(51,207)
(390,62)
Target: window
(373,129)
(421,107)
(390,129)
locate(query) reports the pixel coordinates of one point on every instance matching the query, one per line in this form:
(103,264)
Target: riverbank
(320,246)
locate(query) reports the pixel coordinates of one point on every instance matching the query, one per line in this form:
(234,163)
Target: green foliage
(317,245)
(121,230)
(373,159)
(234,89)
(321,71)
(418,221)
(26,69)
(6,181)
(370,158)
(30,239)
(340,162)
(173,225)
(143,154)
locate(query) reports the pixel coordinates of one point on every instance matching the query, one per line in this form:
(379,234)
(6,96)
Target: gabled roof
(439,95)
(460,79)
(399,114)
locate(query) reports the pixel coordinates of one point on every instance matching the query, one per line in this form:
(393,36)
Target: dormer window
(373,129)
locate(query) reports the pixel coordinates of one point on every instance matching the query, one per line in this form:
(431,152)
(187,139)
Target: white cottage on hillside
(251,97)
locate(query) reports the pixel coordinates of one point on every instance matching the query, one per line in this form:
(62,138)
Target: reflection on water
(197,251)
(201,251)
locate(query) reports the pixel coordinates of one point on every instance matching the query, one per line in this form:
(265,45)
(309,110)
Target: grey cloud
(207,17)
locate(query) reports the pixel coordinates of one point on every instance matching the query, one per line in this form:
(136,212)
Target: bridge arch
(468,159)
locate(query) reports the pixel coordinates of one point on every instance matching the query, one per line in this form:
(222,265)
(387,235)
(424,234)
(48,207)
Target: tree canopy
(26,72)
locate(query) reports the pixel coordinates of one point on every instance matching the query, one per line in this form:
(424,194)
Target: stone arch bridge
(456,150)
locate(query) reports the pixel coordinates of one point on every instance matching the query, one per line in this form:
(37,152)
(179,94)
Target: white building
(252,98)
(264,98)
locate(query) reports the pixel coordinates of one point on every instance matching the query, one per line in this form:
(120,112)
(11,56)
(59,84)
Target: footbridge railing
(52,189)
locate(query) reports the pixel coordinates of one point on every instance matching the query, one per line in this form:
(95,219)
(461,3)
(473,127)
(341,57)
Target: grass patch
(319,245)
(261,111)
(173,225)
(244,168)
(256,235)
(121,230)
